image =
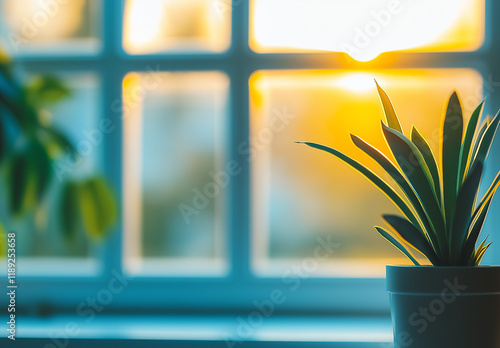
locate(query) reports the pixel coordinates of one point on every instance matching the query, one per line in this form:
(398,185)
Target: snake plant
(442,216)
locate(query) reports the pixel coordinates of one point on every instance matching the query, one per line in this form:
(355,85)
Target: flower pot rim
(430,279)
(443,267)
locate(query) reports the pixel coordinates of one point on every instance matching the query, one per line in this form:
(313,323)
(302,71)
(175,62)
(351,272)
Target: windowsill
(271,331)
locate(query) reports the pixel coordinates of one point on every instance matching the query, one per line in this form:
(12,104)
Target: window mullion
(111,84)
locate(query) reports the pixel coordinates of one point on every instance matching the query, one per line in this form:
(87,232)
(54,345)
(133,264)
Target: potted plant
(454,302)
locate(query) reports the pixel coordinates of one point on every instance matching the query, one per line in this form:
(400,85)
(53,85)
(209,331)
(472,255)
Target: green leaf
(18,177)
(3,139)
(409,233)
(429,158)
(479,255)
(390,114)
(46,89)
(41,161)
(415,169)
(474,231)
(478,219)
(451,142)
(69,209)
(397,244)
(476,142)
(371,176)
(60,140)
(105,198)
(486,141)
(466,200)
(395,174)
(97,206)
(3,241)
(489,193)
(465,150)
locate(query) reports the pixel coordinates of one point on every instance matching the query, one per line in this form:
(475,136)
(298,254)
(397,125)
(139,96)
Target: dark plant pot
(445,307)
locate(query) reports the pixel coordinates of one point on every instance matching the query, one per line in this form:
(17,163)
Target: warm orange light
(175,25)
(36,20)
(366,28)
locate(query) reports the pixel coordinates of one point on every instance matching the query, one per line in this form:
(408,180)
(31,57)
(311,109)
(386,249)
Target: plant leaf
(60,139)
(3,138)
(412,236)
(476,142)
(42,168)
(46,89)
(390,114)
(451,142)
(105,199)
(18,177)
(414,168)
(489,193)
(429,158)
(371,176)
(465,150)
(3,241)
(480,254)
(478,219)
(395,174)
(69,209)
(466,200)
(486,141)
(97,207)
(474,231)
(397,244)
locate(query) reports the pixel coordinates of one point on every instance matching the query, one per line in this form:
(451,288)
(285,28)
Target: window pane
(303,198)
(366,28)
(50,27)
(173,143)
(41,243)
(176,26)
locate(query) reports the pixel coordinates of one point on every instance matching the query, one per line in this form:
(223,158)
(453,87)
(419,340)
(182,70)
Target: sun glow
(356,82)
(157,26)
(366,28)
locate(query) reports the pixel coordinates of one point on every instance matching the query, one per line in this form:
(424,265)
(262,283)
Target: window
(205,99)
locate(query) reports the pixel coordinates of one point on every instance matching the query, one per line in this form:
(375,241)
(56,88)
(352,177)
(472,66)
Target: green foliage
(3,241)
(29,148)
(441,217)
(89,203)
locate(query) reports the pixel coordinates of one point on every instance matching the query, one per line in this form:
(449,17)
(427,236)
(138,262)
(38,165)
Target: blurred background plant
(29,149)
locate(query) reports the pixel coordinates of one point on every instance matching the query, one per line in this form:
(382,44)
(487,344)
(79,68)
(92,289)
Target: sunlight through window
(301,196)
(171,25)
(366,28)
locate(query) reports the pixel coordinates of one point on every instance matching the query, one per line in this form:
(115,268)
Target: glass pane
(306,201)
(176,26)
(50,27)
(41,243)
(366,28)
(173,145)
